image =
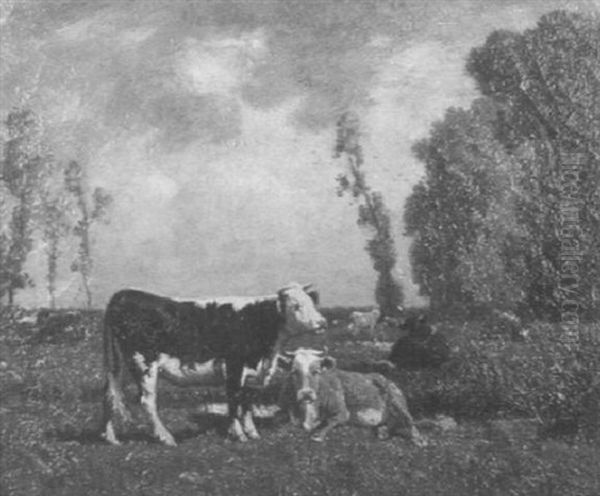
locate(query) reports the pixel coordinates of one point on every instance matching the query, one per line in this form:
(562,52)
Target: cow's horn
(289,286)
(306,287)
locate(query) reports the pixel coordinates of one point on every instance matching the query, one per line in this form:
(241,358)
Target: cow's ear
(284,363)
(314,296)
(328,363)
(282,298)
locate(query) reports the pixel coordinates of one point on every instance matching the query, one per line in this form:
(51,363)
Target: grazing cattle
(206,343)
(326,397)
(364,321)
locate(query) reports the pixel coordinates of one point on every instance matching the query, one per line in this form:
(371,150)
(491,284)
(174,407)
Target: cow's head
(306,366)
(298,305)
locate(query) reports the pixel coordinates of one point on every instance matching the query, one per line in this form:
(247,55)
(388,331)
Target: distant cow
(62,325)
(220,341)
(325,397)
(421,347)
(364,321)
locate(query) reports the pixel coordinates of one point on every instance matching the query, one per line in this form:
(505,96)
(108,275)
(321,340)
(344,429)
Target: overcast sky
(212,125)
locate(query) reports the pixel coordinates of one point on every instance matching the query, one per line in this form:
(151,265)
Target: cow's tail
(114,400)
(398,415)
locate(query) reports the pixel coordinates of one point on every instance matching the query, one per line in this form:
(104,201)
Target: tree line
(508,213)
(43,201)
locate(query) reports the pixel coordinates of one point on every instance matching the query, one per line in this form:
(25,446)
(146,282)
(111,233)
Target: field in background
(519,407)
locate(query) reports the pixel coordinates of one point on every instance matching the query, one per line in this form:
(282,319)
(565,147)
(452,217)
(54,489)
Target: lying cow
(364,321)
(421,347)
(325,397)
(205,343)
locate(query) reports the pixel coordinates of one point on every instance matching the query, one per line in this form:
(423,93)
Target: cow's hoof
(238,436)
(168,442)
(113,441)
(383,433)
(253,435)
(420,441)
(318,438)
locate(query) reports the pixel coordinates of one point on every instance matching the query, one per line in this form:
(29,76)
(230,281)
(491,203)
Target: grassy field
(50,405)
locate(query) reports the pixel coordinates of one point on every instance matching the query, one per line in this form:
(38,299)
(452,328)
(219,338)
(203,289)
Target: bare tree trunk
(86,258)
(88,292)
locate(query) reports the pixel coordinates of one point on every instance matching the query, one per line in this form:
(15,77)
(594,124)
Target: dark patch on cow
(149,324)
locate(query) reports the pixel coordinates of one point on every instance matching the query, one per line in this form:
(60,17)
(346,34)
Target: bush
(64,325)
(546,378)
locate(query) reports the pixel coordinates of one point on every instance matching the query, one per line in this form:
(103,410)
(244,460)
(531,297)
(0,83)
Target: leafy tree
(7,203)
(89,212)
(488,219)
(548,81)
(24,166)
(56,225)
(373,214)
(452,210)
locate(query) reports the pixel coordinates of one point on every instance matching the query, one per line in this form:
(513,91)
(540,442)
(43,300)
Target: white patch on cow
(248,425)
(369,416)
(305,360)
(210,373)
(301,315)
(310,420)
(109,434)
(236,431)
(138,359)
(257,375)
(148,400)
(271,370)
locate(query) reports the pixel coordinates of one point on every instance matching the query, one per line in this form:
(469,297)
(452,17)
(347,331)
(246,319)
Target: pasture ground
(50,405)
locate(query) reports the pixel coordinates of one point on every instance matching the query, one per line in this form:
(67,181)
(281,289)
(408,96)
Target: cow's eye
(296,307)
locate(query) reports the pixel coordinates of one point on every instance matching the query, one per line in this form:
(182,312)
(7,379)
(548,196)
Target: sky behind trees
(212,124)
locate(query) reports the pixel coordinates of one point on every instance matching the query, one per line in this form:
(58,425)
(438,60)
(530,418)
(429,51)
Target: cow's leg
(233,387)
(112,402)
(148,384)
(247,414)
(113,399)
(287,401)
(399,419)
(341,415)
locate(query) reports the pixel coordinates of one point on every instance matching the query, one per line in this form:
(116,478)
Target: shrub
(546,378)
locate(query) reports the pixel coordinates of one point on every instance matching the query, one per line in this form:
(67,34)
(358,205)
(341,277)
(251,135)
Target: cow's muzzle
(320,327)
(306,396)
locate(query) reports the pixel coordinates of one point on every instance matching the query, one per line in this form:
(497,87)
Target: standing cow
(205,343)
(325,397)
(364,321)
